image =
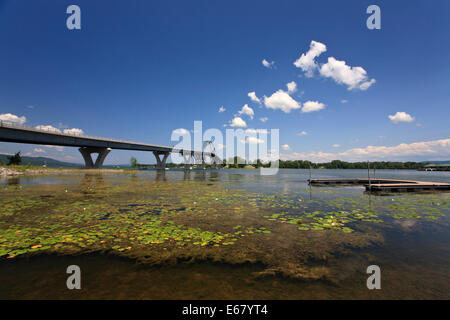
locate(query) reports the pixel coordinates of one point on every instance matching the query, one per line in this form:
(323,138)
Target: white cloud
(344,101)
(48,128)
(353,77)
(74,131)
(252,140)
(285,147)
(427,150)
(267,64)
(292,86)
(281,100)
(222,109)
(247,111)
(9,117)
(253,97)
(256,131)
(401,117)
(57,148)
(180,132)
(238,122)
(311,106)
(39,150)
(303,133)
(306,61)
(336,145)
(263,119)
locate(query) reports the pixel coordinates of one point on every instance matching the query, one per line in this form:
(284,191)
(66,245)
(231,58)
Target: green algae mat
(166,222)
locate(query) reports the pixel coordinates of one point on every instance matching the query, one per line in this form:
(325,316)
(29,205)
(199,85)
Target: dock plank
(386,184)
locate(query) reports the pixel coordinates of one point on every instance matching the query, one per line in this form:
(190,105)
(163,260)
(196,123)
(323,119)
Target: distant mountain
(40,161)
(437,162)
(52,163)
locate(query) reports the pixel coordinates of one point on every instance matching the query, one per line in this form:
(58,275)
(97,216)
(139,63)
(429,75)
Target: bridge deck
(20,134)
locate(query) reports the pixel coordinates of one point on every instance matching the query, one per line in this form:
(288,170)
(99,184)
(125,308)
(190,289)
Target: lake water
(226,234)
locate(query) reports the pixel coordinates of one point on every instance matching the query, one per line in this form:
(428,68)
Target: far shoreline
(10,171)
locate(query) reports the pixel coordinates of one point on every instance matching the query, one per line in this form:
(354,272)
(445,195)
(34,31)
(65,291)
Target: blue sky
(137,70)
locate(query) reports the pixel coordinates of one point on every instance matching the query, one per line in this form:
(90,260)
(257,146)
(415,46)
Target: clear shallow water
(229,234)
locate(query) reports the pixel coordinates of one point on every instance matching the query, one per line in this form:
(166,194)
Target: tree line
(335,164)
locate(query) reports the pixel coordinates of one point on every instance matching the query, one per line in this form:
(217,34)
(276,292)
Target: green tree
(133,162)
(15,159)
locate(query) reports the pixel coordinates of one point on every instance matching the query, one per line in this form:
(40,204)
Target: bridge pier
(161,163)
(86,153)
(187,160)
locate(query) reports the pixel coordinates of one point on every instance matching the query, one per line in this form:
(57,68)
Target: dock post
(368,173)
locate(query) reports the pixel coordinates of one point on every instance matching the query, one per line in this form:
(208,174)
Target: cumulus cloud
(247,111)
(256,131)
(336,145)
(401,117)
(39,150)
(238,122)
(344,101)
(306,62)
(281,100)
(74,131)
(252,140)
(311,106)
(57,148)
(180,132)
(253,97)
(285,147)
(352,77)
(48,128)
(426,150)
(222,109)
(9,117)
(292,86)
(267,64)
(263,119)
(302,133)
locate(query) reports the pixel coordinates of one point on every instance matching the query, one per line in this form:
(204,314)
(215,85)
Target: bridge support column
(86,153)
(161,163)
(187,161)
(203,163)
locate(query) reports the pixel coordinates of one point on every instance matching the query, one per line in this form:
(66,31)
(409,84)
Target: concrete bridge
(102,146)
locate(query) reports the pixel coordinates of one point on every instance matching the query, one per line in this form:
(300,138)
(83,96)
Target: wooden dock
(386,184)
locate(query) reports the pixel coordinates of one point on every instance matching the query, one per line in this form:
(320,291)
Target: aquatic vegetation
(159,222)
(339,213)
